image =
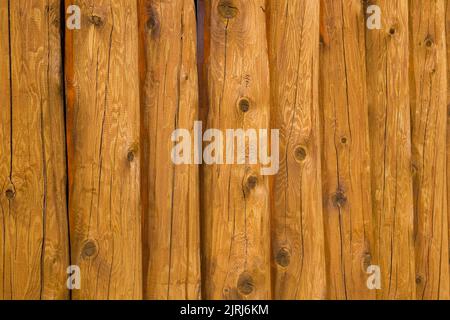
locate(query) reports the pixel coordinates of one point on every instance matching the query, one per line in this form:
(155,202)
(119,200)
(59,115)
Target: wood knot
(227,10)
(96,20)
(339,199)
(10,194)
(130,156)
(252,182)
(283,258)
(89,249)
(414,170)
(419,279)
(245,284)
(153,22)
(429,41)
(244,105)
(367,260)
(344,140)
(300,154)
(392,31)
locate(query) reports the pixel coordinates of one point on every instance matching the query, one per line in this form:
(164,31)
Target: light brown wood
(390,136)
(236,235)
(104,150)
(170,102)
(429,121)
(298,246)
(34,232)
(5,137)
(364,122)
(346,159)
(447,6)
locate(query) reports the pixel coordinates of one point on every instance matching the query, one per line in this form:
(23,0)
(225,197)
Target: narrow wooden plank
(447,30)
(34,228)
(104,150)
(6,288)
(429,121)
(236,235)
(346,167)
(203,33)
(390,136)
(170,102)
(297,222)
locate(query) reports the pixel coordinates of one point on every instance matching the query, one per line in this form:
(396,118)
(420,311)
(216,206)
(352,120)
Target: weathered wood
(33,231)
(104,150)
(297,222)
(387,56)
(346,161)
(236,235)
(429,126)
(170,102)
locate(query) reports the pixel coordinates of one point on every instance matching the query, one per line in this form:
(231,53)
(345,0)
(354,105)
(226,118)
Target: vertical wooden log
(447,29)
(297,222)
(203,32)
(170,102)
(104,150)
(5,144)
(346,168)
(429,121)
(390,132)
(33,231)
(236,236)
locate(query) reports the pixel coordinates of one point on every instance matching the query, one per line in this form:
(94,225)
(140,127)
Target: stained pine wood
(34,232)
(448,112)
(170,102)
(387,52)
(364,149)
(236,235)
(103,116)
(5,138)
(429,120)
(297,221)
(345,158)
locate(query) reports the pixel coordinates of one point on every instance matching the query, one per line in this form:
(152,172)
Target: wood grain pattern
(104,150)
(447,29)
(390,133)
(34,233)
(170,102)
(345,139)
(364,123)
(5,138)
(297,221)
(429,121)
(236,237)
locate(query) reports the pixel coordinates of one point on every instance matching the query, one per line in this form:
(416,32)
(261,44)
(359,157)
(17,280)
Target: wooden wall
(86,170)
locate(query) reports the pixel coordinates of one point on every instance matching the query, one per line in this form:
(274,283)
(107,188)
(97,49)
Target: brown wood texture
(447,29)
(103,117)
(390,133)
(429,121)
(345,157)
(87,122)
(236,235)
(297,234)
(170,102)
(34,231)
